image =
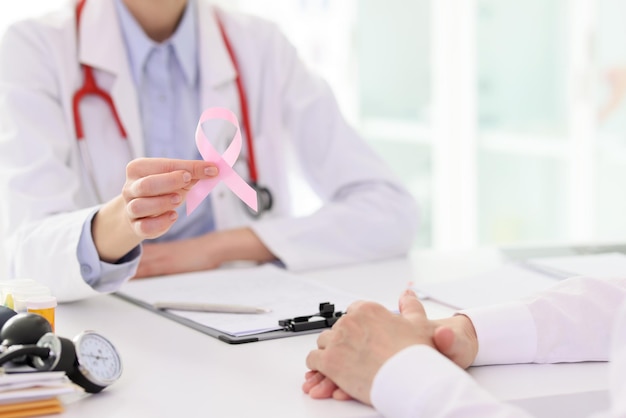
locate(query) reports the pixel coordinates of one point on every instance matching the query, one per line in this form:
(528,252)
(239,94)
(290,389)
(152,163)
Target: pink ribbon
(224,163)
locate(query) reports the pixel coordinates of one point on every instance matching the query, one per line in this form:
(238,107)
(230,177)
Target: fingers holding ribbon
(155,187)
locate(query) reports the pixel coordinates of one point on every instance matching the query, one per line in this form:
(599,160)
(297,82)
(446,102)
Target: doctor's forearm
(236,245)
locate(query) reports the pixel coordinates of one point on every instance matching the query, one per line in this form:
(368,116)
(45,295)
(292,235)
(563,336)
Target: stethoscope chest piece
(265,201)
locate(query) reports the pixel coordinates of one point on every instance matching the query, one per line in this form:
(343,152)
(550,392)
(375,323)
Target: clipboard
(290,325)
(292,300)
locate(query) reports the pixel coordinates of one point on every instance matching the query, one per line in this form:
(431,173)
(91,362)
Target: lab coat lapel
(102,47)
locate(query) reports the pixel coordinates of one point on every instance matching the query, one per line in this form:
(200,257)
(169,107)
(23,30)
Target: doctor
(93,192)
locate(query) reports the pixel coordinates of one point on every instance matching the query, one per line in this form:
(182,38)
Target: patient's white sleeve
(420,382)
(570,322)
(579,319)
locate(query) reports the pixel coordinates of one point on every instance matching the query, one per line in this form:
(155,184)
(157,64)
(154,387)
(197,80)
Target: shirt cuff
(506,333)
(407,384)
(101,276)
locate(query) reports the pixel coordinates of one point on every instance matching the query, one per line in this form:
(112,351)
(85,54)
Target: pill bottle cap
(41,302)
(26,292)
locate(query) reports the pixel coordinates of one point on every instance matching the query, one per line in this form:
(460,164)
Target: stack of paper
(33,394)
(513,281)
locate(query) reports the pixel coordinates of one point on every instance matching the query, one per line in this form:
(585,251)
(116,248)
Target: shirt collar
(183,41)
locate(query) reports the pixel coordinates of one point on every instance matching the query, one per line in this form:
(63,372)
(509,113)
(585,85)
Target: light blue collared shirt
(167,79)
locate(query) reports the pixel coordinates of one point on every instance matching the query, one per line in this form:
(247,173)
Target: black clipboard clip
(325,318)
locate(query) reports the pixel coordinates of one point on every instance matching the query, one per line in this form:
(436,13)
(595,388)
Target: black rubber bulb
(24,328)
(5,315)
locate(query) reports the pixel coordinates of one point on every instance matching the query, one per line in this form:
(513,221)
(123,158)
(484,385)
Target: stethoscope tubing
(243,102)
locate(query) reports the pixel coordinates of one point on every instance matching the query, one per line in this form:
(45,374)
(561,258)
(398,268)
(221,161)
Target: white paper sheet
(601,266)
(509,282)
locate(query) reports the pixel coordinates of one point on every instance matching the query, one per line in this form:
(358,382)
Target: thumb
(410,306)
(445,340)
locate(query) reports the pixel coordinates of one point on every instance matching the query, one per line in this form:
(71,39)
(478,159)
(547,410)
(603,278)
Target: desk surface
(171,370)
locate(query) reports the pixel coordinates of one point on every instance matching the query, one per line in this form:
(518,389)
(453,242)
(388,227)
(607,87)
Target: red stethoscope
(90,87)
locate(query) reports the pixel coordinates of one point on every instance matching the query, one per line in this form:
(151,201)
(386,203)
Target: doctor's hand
(202,253)
(146,207)
(454,337)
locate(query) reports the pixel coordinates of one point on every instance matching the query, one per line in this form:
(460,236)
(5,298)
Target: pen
(210,307)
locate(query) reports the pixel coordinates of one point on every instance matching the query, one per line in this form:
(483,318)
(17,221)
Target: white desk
(171,370)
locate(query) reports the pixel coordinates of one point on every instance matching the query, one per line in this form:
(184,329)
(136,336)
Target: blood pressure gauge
(90,360)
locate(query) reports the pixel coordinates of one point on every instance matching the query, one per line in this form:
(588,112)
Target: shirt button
(85,269)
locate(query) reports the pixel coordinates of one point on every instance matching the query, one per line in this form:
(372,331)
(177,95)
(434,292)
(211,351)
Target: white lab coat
(47,192)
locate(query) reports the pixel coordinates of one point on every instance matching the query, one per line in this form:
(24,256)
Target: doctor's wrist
(112,234)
